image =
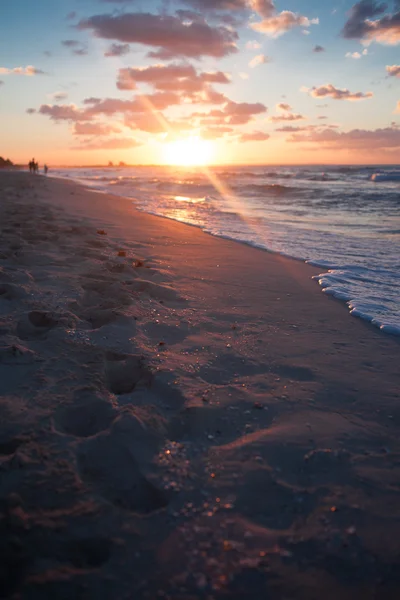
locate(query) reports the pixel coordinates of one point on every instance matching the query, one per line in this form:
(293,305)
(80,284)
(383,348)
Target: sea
(345,220)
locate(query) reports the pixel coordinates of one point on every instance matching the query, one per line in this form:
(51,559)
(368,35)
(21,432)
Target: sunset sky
(262,81)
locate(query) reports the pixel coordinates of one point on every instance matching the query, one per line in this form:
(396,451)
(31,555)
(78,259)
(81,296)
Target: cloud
(77,48)
(243,75)
(58,96)
(140,104)
(284,107)
(357,26)
(170,35)
(108,144)
(393,70)
(29,70)
(279,24)
(182,79)
(174,76)
(71,15)
(317,49)
(356,139)
(287,117)
(256,136)
(212,133)
(31,111)
(92,100)
(357,55)
(70,43)
(360,24)
(241,113)
(233,113)
(329,90)
(258,60)
(94,129)
(253,45)
(1,82)
(397,109)
(61,112)
(293,129)
(118,50)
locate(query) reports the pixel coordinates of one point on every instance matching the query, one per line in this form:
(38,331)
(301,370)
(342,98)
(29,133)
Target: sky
(86,82)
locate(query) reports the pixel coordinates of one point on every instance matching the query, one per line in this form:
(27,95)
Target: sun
(189,152)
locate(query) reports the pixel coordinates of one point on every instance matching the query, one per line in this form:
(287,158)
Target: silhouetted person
(45,169)
(31,165)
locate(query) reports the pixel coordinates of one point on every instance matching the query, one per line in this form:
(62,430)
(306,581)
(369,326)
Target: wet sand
(183,416)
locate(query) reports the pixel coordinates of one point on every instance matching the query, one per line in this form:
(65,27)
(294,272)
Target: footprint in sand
(35,323)
(85,419)
(155,290)
(99,318)
(294,372)
(9,446)
(9,291)
(109,463)
(16,355)
(88,553)
(124,372)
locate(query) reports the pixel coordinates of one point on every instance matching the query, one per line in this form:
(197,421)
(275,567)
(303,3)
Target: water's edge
(322,279)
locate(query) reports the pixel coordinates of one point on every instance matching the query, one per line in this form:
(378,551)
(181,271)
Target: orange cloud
(329,90)
(28,70)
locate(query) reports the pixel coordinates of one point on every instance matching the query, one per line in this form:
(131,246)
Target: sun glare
(189,152)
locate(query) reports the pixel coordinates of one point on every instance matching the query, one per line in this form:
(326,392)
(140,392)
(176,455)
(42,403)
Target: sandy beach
(183,416)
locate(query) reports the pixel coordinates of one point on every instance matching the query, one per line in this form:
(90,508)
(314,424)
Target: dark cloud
(77,48)
(362,25)
(31,111)
(59,96)
(70,43)
(92,100)
(171,36)
(118,50)
(356,26)
(317,49)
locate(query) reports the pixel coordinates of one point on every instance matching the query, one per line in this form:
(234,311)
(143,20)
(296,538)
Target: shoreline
(383,327)
(183,416)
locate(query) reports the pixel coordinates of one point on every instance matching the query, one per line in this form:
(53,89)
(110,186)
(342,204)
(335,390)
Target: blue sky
(289,73)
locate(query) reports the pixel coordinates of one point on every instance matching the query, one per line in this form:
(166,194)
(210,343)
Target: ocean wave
(274,188)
